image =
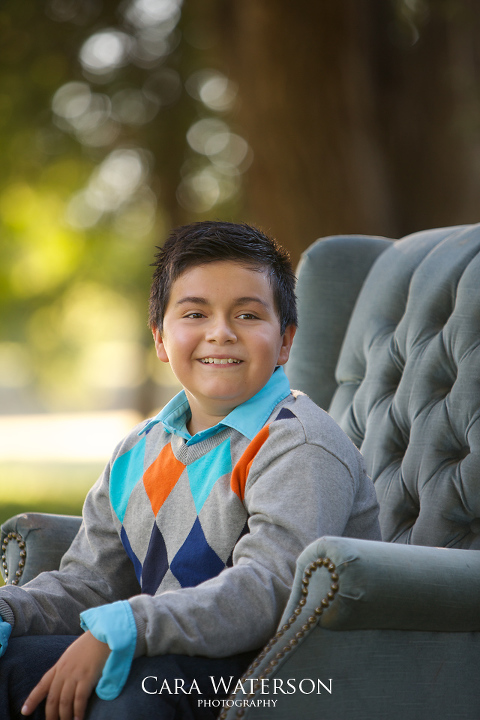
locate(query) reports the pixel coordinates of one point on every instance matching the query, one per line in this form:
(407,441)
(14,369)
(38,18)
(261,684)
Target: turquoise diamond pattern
(203,473)
(127,470)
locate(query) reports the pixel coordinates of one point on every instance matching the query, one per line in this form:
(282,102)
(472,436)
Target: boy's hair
(203,242)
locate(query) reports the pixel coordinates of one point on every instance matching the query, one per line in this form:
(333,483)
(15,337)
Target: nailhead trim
(23,555)
(312,620)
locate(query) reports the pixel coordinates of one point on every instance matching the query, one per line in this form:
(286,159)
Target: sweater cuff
(6,612)
(141,645)
(113,624)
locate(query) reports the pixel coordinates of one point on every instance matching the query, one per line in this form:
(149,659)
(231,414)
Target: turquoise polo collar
(248,418)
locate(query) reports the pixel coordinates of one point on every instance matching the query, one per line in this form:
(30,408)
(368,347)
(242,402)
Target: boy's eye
(194,315)
(248,316)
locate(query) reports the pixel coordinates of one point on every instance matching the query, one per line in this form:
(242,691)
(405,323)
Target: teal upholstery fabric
(375,675)
(406,387)
(390,585)
(37,543)
(398,639)
(330,275)
(409,394)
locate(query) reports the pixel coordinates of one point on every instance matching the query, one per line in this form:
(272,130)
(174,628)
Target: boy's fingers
(82,695)
(68,684)
(61,705)
(38,693)
(70,701)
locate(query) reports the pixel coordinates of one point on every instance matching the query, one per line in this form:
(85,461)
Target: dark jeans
(28,658)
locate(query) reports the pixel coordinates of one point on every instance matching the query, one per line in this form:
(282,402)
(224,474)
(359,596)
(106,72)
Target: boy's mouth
(219,361)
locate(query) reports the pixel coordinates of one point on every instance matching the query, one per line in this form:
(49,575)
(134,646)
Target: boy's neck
(201,418)
(194,425)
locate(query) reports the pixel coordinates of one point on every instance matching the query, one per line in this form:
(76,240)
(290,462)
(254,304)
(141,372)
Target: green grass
(7,510)
(54,487)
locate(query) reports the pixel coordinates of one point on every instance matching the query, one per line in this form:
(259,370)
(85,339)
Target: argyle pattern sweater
(202,538)
(206,482)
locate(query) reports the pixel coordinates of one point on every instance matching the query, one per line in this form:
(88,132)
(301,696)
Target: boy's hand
(69,683)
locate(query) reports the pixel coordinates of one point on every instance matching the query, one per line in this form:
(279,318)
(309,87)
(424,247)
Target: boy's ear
(159,345)
(287,340)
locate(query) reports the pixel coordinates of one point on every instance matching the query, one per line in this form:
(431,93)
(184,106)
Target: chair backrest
(407,382)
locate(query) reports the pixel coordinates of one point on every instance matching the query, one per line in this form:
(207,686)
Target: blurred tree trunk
(362,115)
(427,79)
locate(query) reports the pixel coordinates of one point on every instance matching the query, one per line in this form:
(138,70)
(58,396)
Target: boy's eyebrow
(194,300)
(247,299)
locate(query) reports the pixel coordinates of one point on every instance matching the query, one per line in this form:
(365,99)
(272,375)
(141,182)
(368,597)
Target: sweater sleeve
(293,498)
(94,571)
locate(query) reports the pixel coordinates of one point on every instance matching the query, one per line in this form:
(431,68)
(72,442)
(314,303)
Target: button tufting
(475,526)
(464,451)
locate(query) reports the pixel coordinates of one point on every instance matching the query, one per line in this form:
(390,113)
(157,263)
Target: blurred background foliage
(121,118)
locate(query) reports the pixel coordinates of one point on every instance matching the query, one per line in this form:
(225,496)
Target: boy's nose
(221,332)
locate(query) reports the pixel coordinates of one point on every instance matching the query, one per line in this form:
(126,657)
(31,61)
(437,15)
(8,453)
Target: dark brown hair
(203,242)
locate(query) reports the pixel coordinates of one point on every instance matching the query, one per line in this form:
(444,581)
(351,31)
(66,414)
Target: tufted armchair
(389,342)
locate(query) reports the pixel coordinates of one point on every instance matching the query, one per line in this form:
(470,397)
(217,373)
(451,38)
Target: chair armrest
(35,542)
(389,585)
(346,584)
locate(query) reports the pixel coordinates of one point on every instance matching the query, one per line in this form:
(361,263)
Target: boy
(189,539)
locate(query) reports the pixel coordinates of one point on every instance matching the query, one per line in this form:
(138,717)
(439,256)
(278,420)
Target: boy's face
(221,335)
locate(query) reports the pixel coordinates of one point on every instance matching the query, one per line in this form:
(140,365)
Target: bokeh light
(213,89)
(105,51)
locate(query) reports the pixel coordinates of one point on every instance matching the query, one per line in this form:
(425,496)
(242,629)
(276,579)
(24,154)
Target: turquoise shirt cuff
(5,630)
(113,624)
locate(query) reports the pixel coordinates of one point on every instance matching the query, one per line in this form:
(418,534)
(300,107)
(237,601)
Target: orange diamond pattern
(161,477)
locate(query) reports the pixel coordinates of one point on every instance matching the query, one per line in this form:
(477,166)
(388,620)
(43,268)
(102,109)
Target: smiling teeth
(218,361)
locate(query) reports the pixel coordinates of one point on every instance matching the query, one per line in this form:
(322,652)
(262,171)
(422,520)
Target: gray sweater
(202,539)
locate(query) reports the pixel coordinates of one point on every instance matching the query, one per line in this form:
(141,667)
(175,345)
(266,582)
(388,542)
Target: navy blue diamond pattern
(195,562)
